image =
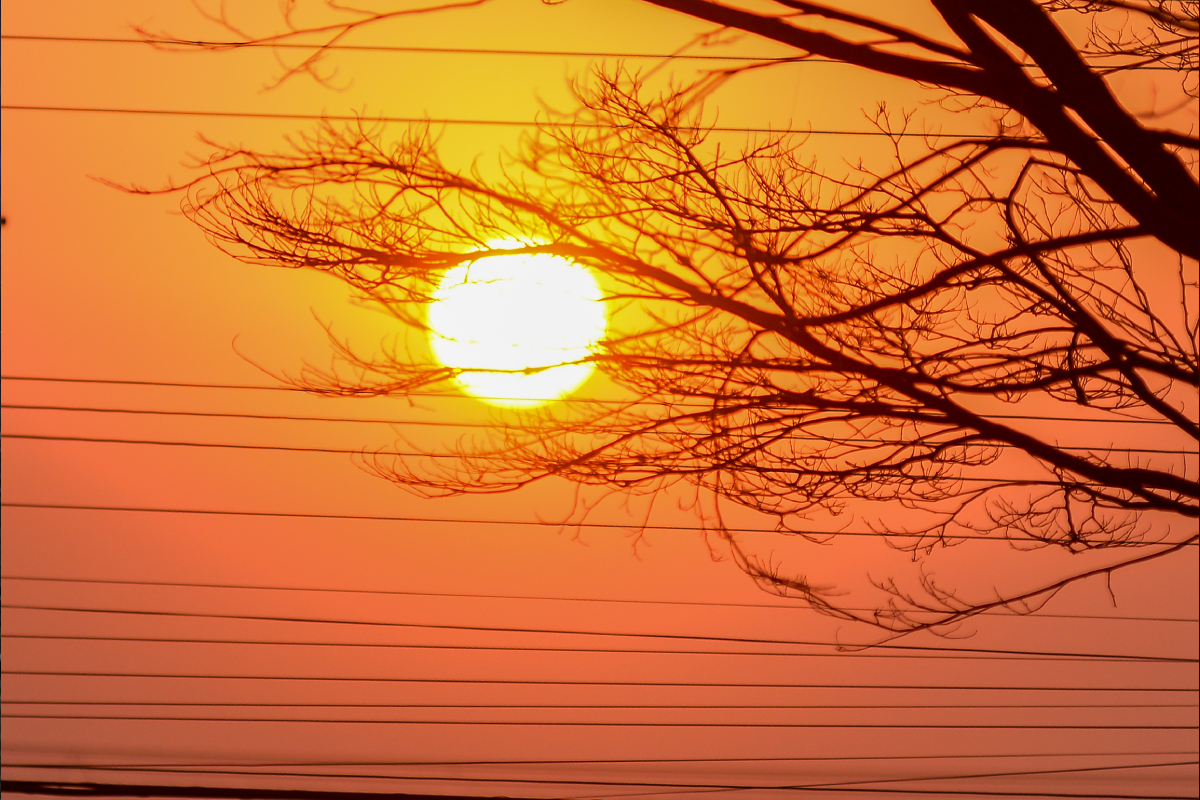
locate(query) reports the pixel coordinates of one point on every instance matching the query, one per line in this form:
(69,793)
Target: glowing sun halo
(514,313)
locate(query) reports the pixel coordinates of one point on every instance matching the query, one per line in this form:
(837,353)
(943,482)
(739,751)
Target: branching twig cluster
(794,340)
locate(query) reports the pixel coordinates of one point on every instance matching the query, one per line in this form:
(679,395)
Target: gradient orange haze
(105,285)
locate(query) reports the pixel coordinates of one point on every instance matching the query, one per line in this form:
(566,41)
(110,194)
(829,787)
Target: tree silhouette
(800,340)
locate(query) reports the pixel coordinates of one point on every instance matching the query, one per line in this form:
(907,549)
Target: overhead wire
(256,793)
(505,123)
(607,706)
(222,445)
(217,45)
(505,522)
(690,403)
(983,654)
(858,651)
(1057,688)
(809,785)
(720,759)
(866,786)
(491,596)
(582,723)
(363,451)
(445,424)
(367,48)
(874,784)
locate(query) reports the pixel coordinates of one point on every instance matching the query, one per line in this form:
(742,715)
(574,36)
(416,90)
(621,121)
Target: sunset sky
(327,630)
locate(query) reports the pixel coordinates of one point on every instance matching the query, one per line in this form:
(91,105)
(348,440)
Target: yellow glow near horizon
(514,313)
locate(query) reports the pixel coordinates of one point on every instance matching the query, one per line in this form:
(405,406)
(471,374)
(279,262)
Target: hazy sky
(103,285)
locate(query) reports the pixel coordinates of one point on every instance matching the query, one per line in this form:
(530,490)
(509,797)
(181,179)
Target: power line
(675,785)
(460,396)
(508,123)
(636,724)
(608,761)
(534,523)
(484,425)
(225,445)
(596,706)
(229,415)
(71,789)
(565,650)
(225,45)
(872,785)
(861,786)
(362,451)
(593,683)
(228,45)
(907,650)
(486,596)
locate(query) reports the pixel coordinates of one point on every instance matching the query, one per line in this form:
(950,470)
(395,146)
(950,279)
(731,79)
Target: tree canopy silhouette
(800,338)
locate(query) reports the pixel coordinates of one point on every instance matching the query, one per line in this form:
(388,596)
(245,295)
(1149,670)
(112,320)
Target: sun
(538,313)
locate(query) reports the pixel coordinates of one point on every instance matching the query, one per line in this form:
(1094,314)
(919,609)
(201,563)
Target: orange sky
(103,285)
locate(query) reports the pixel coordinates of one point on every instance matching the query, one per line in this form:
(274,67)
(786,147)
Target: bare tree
(794,340)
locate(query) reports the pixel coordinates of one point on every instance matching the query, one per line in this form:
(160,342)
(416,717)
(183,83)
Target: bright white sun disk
(520,312)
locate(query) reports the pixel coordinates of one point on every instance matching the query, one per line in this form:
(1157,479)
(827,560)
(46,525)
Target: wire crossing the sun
(452,395)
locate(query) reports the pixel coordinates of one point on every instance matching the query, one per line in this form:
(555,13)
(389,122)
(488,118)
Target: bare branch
(790,340)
